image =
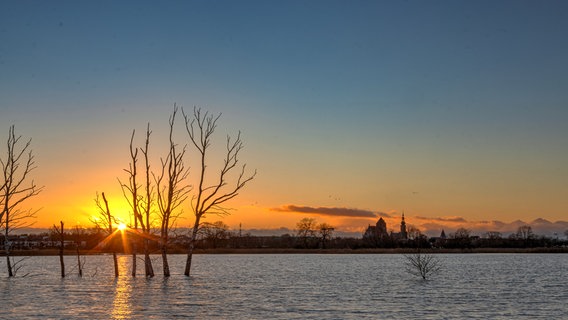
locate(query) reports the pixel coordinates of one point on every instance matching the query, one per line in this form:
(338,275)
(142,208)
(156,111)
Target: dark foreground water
(471,286)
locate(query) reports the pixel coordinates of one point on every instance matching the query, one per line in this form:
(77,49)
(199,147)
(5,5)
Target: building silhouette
(378,233)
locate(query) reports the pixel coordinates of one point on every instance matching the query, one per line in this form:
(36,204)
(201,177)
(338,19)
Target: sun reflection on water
(122,306)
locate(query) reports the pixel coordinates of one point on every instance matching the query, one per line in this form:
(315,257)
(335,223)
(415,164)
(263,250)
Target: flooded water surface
(289,286)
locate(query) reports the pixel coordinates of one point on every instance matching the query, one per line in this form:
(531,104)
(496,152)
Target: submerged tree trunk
(191,247)
(79,262)
(8,262)
(7,250)
(165,264)
(149,270)
(188,261)
(61,247)
(134,258)
(114,259)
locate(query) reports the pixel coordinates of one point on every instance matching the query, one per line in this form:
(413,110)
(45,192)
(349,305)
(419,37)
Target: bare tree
(414,233)
(493,235)
(77,232)
(306,230)
(525,233)
(214,233)
(462,237)
(171,192)
(15,189)
(141,200)
(210,196)
(105,221)
(60,232)
(131,192)
(422,265)
(325,231)
(146,212)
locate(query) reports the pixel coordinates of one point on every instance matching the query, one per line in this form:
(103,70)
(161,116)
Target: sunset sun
(121,226)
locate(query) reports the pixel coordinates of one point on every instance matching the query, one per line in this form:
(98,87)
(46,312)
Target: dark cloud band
(330,211)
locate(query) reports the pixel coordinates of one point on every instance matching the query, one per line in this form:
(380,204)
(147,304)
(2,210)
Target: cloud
(443,219)
(329,211)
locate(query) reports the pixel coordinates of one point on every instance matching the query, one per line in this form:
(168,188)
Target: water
(473,286)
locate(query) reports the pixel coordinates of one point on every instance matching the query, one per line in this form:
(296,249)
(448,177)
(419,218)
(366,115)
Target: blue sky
(437,108)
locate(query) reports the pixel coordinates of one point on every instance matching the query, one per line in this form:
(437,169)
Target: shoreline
(55,252)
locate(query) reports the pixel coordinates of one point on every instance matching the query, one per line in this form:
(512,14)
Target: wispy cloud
(330,211)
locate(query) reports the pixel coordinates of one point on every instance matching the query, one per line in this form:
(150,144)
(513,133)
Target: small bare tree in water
(105,221)
(210,195)
(60,232)
(422,265)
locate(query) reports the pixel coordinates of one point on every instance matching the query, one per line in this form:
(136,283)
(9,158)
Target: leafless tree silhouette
(131,192)
(214,233)
(325,231)
(306,230)
(16,188)
(210,196)
(171,192)
(140,199)
(60,232)
(422,265)
(105,221)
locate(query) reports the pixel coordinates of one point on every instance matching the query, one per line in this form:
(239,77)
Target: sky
(453,112)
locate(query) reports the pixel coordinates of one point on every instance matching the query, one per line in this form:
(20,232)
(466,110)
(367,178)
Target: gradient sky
(435,108)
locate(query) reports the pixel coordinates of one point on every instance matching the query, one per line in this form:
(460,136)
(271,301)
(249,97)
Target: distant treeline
(215,236)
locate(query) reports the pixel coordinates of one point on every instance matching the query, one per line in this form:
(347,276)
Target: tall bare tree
(131,192)
(141,198)
(105,222)
(16,188)
(171,192)
(211,194)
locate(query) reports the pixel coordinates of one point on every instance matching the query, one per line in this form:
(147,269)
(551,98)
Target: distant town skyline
(452,112)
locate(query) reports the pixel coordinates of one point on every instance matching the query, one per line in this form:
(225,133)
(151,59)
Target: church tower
(381,228)
(403,233)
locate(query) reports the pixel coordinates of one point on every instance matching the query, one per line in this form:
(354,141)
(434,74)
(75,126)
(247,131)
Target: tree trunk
(191,247)
(149,270)
(79,262)
(7,247)
(61,247)
(134,258)
(165,263)
(188,261)
(7,250)
(114,259)
(8,262)
(134,245)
